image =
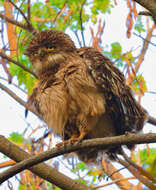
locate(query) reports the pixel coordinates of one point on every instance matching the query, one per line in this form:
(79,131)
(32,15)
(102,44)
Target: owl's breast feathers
(68,95)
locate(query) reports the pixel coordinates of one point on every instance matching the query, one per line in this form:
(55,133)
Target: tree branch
(17,63)
(29,10)
(144,48)
(112,172)
(138,35)
(151,120)
(149,5)
(142,55)
(137,174)
(18,99)
(99,143)
(140,169)
(18,87)
(21,25)
(115,181)
(81,23)
(28,23)
(42,170)
(77,37)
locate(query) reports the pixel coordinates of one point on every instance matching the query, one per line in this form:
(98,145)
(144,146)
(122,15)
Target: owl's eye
(50,47)
(35,54)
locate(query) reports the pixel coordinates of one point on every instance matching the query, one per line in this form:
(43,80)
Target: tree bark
(150,5)
(99,143)
(42,170)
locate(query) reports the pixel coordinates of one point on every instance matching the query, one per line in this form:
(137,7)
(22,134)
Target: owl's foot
(72,140)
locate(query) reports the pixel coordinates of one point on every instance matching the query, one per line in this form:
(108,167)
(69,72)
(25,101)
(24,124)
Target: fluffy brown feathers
(81,94)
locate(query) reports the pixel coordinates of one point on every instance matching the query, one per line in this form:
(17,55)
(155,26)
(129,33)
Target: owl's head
(50,40)
(47,47)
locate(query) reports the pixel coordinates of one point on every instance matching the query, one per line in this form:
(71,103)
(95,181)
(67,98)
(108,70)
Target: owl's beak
(41,52)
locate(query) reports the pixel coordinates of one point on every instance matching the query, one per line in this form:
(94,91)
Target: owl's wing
(126,113)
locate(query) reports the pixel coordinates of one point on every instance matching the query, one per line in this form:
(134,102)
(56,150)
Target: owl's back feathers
(127,114)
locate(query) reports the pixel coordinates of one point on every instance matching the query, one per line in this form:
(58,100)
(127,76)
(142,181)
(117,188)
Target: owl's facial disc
(41,52)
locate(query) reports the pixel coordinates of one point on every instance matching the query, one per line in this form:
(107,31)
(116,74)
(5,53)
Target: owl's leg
(84,124)
(77,136)
(74,138)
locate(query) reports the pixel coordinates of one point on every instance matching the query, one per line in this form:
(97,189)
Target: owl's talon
(77,139)
(60,144)
(73,139)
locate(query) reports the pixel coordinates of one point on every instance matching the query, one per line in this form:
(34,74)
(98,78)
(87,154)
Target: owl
(80,93)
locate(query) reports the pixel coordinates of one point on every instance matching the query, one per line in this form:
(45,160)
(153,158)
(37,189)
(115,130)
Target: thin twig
(4,65)
(7,163)
(29,10)
(81,23)
(18,63)
(21,25)
(77,37)
(20,10)
(142,54)
(144,48)
(138,35)
(114,181)
(18,99)
(60,12)
(109,168)
(142,171)
(6,80)
(99,143)
(137,174)
(2,32)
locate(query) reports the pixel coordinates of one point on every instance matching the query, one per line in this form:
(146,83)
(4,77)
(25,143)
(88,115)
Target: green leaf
(139,25)
(81,166)
(16,137)
(116,49)
(148,159)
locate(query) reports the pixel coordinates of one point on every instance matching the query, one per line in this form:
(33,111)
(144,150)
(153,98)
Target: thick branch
(149,5)
(17,63)
(151,120)
(99,143)
(42,170)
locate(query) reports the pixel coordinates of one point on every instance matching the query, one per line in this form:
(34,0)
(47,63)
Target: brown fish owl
(81,94)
